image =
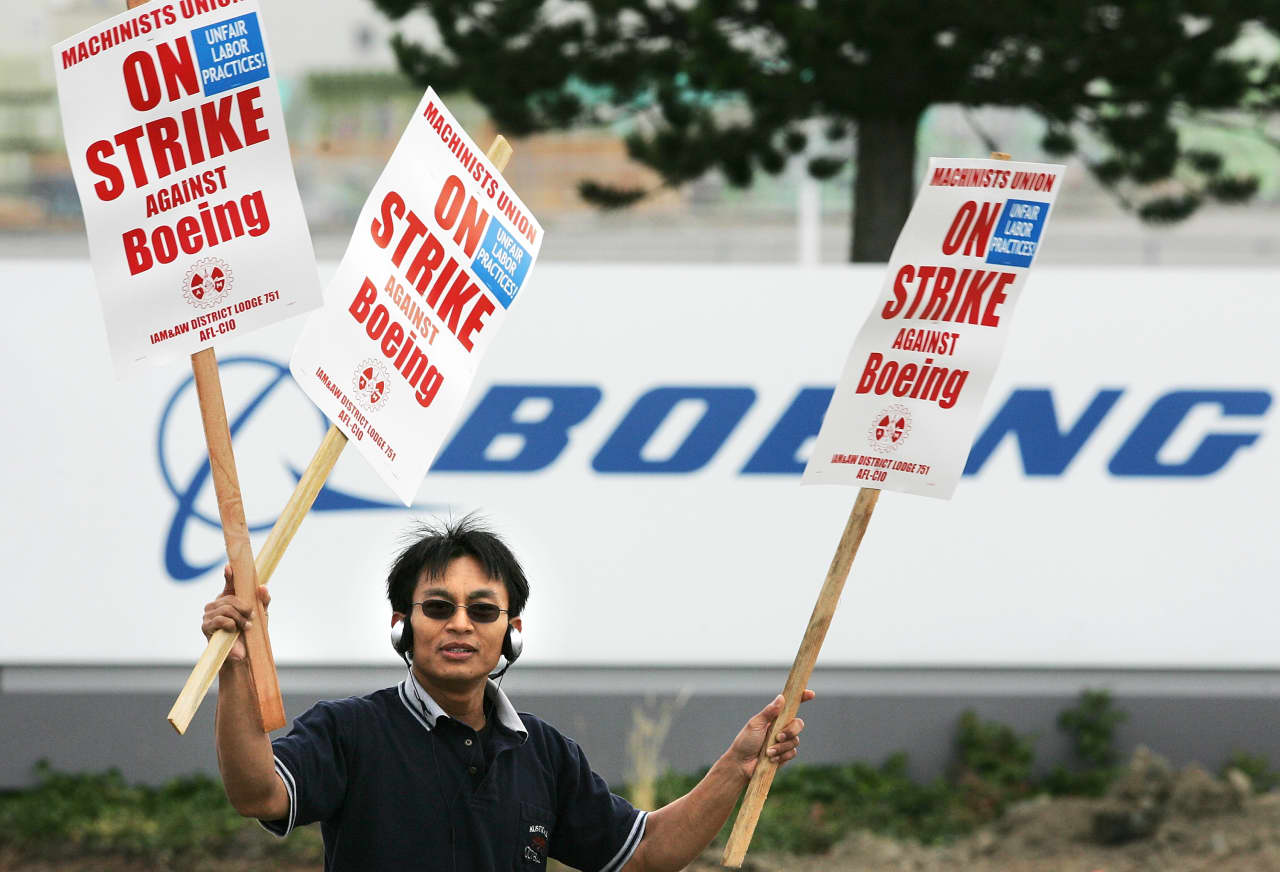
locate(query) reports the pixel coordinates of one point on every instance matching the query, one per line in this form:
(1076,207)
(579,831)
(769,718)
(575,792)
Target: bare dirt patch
(1152,820)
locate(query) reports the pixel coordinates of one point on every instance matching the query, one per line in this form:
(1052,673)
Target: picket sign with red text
(177,145)
(904,413)
(441,249)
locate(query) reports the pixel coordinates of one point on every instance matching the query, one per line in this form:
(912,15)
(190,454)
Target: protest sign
(918,372)
(301,500)
(441,250)
(177,145)
(904,413)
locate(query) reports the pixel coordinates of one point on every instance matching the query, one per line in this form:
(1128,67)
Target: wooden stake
(235,533)
(823,611)
(282,532)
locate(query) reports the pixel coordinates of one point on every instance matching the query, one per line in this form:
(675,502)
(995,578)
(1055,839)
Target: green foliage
(1232,189)
(185,820)
(993,752)
(826,167)
(819,805)
(1086,782)
(811,807)
(992,767)
(1091,726)
(1058,141)
(609,196)
(1257,767)
(188,824)
(796,141)
(724,84)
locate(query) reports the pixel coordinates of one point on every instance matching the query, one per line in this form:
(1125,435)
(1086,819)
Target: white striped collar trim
(427,710)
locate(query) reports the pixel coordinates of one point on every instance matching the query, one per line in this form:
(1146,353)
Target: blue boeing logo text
(1046,444)
(1028,415)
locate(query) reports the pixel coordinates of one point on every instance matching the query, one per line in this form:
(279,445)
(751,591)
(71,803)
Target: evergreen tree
(739,85)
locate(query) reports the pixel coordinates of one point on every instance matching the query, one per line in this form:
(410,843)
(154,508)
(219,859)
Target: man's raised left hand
(745,749)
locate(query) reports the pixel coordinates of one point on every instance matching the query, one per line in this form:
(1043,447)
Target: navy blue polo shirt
(398,784)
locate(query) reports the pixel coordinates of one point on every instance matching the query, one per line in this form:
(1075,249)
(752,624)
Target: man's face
(459,651)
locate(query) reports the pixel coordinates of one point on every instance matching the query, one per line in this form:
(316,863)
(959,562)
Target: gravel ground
(1053,837)
(1158,820)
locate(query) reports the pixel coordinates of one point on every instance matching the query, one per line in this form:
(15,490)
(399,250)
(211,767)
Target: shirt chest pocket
(535,826)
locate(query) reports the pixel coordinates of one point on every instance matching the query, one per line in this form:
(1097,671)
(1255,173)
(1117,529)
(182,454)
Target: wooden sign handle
(823,611)
(235,533)
(282,532)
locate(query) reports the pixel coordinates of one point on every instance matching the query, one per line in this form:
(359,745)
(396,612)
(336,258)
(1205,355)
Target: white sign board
(442,248)
(177,145)
(651,496)
(905,410)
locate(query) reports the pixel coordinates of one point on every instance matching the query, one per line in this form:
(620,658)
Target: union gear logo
(207,285)
(371,384)
(536,850)
(889,429)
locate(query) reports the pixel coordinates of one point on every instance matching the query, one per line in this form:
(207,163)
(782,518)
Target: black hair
(434,546)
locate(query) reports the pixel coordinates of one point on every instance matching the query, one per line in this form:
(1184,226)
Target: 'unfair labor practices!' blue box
(230,54)
(501,263)
(1017,233)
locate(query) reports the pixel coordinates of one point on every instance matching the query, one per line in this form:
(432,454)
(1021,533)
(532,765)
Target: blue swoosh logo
(330,499)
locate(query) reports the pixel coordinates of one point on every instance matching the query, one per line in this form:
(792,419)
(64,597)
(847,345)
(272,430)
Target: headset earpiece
(402,636)
(512,644)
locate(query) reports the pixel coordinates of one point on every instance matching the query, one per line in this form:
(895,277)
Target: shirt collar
(427,710)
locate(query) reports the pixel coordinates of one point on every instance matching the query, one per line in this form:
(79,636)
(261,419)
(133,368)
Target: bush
(1091,725)
(184,820)
(992,767)
(812,807)
(1257,767)
(993,752)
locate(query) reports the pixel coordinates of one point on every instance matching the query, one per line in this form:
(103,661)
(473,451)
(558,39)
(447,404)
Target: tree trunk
(882,184)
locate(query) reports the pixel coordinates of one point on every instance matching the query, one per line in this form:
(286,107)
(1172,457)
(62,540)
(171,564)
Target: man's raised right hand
(230,612)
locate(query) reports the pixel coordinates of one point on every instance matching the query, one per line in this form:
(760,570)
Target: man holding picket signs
(440,771)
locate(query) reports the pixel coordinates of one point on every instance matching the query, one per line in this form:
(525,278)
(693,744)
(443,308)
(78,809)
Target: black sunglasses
(442,610)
